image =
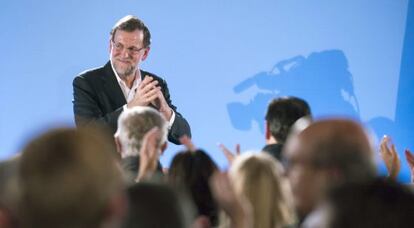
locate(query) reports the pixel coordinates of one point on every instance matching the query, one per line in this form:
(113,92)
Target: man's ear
(268,134)
(163,147)
(110,45)
(146,53)
(118,144)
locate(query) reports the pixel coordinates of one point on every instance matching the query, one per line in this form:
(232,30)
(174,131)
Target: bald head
(339,144)
(325,154)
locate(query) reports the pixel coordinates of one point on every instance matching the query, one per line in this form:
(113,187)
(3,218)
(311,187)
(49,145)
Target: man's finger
(238,151)
(186,141)
(148,87)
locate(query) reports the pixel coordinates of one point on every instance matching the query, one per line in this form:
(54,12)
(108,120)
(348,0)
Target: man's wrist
(167,113)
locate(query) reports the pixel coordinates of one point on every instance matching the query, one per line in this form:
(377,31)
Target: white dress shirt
(129,93)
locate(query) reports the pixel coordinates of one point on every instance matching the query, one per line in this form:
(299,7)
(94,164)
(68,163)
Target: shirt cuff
(170,123)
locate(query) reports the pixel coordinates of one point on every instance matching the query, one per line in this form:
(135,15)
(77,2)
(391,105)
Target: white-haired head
(133,124)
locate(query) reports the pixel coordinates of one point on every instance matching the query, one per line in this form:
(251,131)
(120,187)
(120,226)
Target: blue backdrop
(223,61)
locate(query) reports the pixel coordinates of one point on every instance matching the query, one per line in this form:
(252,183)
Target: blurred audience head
(281,114)
(190,171)
(69,178)
(325,154)
(154,205)
(373,204)
(259,178)
(8,192)
(133,124)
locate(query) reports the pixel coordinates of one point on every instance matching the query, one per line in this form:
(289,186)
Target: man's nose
(125,53)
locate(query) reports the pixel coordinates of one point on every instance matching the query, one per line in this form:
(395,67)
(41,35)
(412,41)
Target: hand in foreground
(146,93)
(410,160)
(230,155)
(186,141)
(390,157)
(237,208)
(149,154)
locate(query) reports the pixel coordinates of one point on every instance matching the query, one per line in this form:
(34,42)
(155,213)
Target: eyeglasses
(131,50)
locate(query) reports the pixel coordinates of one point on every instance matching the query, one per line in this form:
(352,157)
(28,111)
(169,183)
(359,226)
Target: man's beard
(127,72)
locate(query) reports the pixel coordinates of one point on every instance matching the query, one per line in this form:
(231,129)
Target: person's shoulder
(92,73)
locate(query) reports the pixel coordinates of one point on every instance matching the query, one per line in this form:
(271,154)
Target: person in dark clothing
(281,114)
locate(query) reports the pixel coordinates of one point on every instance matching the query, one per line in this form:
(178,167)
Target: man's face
(307,182)
(127,51)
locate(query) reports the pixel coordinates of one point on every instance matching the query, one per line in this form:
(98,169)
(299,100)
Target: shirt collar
(121,82)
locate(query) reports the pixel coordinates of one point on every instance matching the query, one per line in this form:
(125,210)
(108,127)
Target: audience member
(133,124)
(69,178)
(154,205)
(366,205)
(237,208)
(325,154)
(8,192)
(259,178)
(190,172)
(281,114)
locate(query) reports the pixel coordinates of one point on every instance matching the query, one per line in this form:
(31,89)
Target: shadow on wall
(322,79)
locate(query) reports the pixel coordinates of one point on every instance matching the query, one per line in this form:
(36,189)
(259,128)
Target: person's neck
(129,79)
(271,140)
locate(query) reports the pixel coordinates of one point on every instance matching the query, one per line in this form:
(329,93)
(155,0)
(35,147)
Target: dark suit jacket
(98,98)
(130,168)
(275,150)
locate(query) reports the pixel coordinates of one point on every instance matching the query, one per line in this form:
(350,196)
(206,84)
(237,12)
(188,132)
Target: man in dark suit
(100,95)
(281,114)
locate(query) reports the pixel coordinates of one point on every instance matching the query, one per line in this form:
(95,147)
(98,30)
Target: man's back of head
(370,205)
(282,113)
(68,178)
(154,205)
(133,124)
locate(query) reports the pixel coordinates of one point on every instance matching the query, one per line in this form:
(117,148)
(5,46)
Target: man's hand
(149,154)
(230,155)
(186,141)
(390,157)
(236,207)
(161,104)
(147,92)
(410,160)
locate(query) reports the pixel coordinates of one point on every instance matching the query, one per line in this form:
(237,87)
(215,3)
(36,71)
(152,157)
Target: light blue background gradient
(204,49)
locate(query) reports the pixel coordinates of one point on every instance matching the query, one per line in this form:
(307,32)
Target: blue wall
(345,57)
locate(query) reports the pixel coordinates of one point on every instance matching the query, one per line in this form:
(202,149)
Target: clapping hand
(149,154)
(390,157)
(146,93)
(230,155)
(410,160)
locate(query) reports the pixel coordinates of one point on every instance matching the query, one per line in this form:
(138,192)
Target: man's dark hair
(282,113)
(154,205)
(129,24)
(373,204)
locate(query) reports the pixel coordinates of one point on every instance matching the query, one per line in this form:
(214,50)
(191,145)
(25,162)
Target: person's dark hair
(190,172)
(129,24)
(282,113)
(154,205)
(372,204)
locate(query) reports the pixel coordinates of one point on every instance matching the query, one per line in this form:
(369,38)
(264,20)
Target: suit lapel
(112,88)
